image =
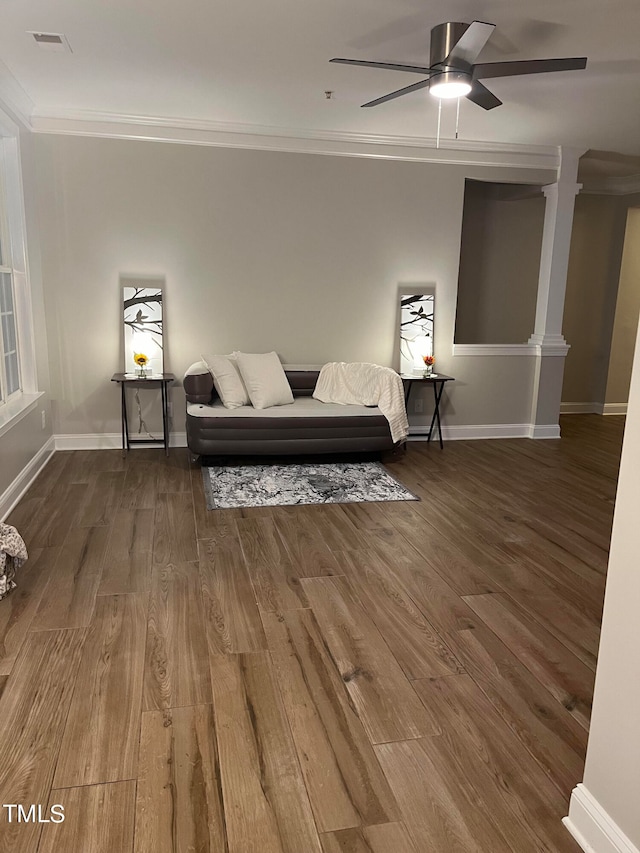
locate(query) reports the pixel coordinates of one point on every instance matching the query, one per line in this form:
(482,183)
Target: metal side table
(163,380)
(437,381)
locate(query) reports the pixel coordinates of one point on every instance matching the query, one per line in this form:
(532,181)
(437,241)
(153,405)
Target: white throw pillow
(227,380)
(265,379)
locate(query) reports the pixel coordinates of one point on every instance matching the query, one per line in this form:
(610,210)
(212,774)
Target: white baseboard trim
(544,431)
(469,432)
(592,827)
(593,408)
(466,432)
(108,441)
(10,497)
(614,409)
(580,408)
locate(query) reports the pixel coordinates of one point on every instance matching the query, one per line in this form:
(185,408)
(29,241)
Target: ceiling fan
(453,71)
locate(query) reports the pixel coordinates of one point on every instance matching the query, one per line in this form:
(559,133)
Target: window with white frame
(10,360)
(18,373)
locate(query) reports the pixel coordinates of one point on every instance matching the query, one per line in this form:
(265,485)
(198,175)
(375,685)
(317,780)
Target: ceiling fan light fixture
(453,70)
(450,84)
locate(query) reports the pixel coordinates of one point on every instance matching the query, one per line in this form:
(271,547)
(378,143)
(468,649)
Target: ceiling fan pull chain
(457,116)
(439,117)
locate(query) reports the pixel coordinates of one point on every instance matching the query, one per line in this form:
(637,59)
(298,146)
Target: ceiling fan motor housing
(455,78)
(444,38)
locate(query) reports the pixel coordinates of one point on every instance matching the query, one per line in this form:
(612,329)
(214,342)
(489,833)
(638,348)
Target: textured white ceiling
(266,63)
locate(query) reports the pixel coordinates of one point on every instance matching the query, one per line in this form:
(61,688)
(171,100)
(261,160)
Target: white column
(552,282)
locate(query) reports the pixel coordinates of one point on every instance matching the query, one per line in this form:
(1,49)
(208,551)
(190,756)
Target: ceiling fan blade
(481,96)
(398,93)
(467,49)
(391,66)
(484,70)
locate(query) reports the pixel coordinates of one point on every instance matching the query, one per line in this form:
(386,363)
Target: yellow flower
(140,358)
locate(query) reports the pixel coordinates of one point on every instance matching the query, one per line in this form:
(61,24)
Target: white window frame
(14,229)
(6,268)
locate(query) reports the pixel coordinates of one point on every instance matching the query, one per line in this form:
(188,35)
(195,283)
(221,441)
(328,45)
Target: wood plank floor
(410,677)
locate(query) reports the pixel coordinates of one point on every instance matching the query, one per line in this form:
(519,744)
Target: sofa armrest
(198,383)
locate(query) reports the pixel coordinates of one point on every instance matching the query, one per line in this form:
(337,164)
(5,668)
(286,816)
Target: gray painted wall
(625,325)
(597,244)
(499,263)
(304,254)
(19,445)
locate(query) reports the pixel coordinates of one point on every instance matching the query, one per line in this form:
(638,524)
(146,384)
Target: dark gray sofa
(305,427)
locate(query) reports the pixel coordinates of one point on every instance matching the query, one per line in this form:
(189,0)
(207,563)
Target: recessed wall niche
(499,262)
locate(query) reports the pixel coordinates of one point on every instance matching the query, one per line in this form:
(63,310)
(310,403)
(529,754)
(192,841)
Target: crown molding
(619,185)
(14,98)
(340,143)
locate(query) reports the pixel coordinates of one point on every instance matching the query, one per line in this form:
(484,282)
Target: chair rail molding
(494,349)
(549,344)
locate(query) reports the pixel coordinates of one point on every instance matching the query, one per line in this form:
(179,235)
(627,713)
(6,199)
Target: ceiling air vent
(51,41)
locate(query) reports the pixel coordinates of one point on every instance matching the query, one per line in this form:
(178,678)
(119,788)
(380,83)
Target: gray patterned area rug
(229,486)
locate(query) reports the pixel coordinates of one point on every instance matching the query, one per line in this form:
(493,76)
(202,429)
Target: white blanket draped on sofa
(363,384)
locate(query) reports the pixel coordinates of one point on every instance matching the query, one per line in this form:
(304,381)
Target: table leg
(437,394)
(407,393)
(125,422)
(165,417)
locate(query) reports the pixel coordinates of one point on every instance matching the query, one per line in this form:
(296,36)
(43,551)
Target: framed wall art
(143,328)
(416,331)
